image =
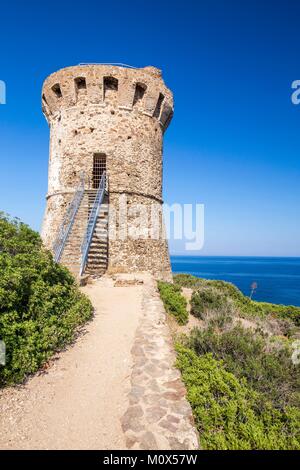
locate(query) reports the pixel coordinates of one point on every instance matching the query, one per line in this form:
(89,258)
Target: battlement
(135,90)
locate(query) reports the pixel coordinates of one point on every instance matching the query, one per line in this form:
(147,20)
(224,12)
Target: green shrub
(187,280)
(213,306)
(267,368)
(40,304)
(225,289)
(174,302)
(286,312)
(229,414)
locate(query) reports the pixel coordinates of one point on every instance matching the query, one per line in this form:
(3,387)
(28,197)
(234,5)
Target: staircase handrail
(92,222)
(68,220)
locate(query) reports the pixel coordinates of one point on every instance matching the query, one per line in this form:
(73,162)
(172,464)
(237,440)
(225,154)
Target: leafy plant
(213,306)
(229,415)
(40,304)
(264,363)
(174,302)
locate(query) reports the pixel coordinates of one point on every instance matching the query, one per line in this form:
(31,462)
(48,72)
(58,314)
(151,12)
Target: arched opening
(45,106)
(99,166)
(57,90)
(157,110)
(80,83)
(80,87)
(169,118)
(140,90)
(110,85)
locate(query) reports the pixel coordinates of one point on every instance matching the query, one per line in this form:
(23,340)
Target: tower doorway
(99,167)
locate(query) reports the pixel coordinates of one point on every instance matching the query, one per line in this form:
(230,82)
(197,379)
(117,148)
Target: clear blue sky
(234,141)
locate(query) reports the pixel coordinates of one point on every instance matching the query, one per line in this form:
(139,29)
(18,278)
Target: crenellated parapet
(135,90)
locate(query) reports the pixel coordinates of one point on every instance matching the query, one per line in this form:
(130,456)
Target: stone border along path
(158,416)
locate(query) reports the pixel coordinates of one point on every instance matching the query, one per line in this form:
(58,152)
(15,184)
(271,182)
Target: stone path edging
(158,416)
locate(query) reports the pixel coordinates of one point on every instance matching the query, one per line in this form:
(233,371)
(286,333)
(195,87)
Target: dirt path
(79,402)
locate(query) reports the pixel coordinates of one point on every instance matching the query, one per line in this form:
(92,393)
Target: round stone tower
(109,118)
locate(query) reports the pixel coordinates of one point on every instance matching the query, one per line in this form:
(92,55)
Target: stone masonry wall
(119,112)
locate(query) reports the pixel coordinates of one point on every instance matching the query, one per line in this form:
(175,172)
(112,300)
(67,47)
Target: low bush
(213,306)
(266,366)
(40,304)
(229,415)
(174,302)
(187,280)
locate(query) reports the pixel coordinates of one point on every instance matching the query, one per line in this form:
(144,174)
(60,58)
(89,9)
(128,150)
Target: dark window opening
(80,83)
(56,90)
(158,105)
(168,120)
(45,106)
(139,93)
(99,166)
(110,83)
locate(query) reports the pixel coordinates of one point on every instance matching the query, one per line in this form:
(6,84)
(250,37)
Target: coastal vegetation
(41,306)
(174,303)
(244,305)
(228,413)
(237,366)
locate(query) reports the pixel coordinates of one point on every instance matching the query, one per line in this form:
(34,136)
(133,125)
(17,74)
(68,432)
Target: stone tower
(106,119)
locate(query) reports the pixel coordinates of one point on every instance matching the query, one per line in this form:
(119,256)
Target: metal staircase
(82,242)
(91,225)
(98,251)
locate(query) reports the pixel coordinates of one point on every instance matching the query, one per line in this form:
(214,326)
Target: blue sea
(278,279)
